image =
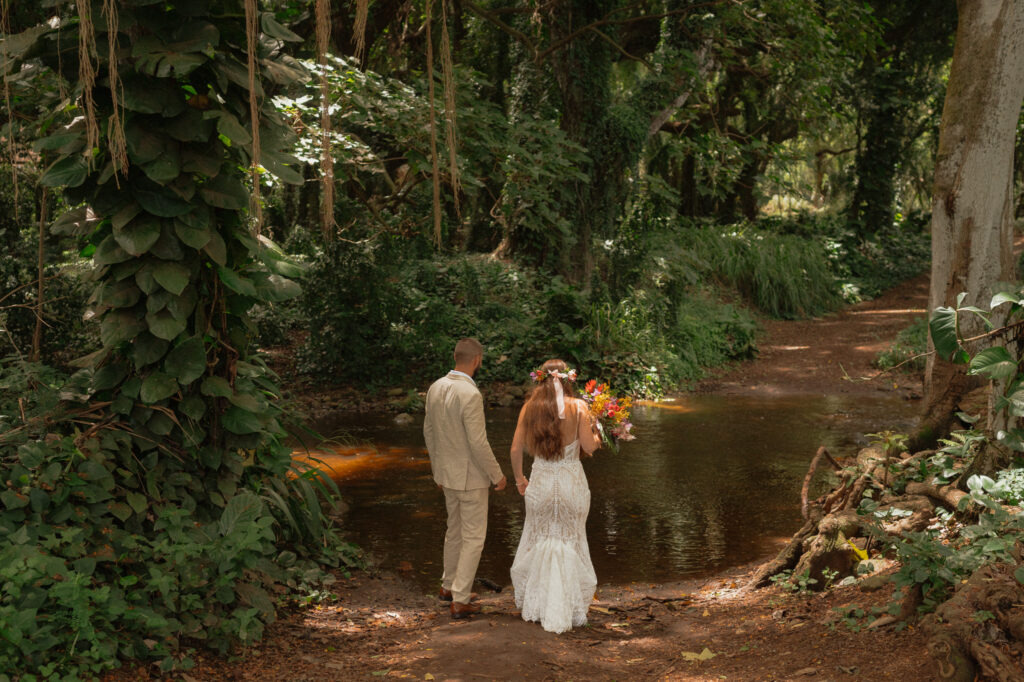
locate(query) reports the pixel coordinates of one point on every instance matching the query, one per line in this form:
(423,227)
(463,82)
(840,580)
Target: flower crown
(540,375)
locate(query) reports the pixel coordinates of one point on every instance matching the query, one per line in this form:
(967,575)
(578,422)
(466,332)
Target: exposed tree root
(978,633)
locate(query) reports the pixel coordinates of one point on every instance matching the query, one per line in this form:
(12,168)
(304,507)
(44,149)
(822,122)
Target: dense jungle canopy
(629,185)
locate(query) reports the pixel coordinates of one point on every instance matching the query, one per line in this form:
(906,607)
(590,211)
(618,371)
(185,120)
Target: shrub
(908,349)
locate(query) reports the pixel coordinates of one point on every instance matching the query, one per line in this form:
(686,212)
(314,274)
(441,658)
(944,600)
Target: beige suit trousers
(464,541)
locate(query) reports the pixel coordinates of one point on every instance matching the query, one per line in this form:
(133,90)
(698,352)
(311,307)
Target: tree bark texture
(972,201)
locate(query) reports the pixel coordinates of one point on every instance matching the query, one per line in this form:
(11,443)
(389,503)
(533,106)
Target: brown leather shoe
(446,595)
(460,610)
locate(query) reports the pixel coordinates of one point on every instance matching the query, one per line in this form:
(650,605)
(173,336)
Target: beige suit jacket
(456,436)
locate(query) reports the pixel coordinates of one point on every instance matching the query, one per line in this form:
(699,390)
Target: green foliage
(937,562)
(65,334)
(375,315)
(150,503)
(994,360)
(797,584)
(782,275)
(908,350)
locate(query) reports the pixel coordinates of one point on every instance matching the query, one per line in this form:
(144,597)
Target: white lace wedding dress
(552,574)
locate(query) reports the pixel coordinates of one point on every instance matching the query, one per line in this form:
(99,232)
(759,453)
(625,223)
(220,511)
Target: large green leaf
(119,326)
(196,237)
(125,215)
(147,349)
(190,126)
(156,387)
(241,510)
(1006,297)
(216,249)
(284,166)
(217,387)
(187,361)
(205,161)
(161,202)
(164,325)
(236,282)
(123,294)
(274,288)
(192,407)
(165,168)
(274,29)
(167,63)
(944,332)
(171,276)
(77,222)
(151,96)
(225,192)
(138,236)
(69,171)
(144,144)
(109,376)
(168,247)
(996,363)
(240,421)
(230,127)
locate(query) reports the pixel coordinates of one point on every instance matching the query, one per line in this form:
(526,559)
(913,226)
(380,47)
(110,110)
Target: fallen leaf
(380,673)
(428,676)
(705,655)
(706,613)
(600,609)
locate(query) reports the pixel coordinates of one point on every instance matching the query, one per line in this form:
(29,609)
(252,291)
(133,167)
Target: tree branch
(621,49)
(704,64)
(490,17)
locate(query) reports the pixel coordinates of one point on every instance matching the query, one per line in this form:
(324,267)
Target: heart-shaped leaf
(164,325)
(138,236)
(171,276)
(187,361)
(70,171)
(156,387)
(994,363)
(944,333)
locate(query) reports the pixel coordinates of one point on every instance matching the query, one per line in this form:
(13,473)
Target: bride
(552,574)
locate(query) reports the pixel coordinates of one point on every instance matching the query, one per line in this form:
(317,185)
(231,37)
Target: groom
(463,467)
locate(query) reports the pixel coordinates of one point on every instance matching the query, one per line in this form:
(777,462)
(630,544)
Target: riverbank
(381,625)
(710,629)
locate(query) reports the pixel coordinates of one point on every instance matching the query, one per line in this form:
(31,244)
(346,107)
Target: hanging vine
(323,36)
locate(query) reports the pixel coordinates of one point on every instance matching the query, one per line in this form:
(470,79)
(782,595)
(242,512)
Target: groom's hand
(500,485)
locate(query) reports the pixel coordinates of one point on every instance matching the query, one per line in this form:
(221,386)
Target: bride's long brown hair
(540,414)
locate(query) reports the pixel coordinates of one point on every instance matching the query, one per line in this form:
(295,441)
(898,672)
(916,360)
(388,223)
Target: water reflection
(712,481)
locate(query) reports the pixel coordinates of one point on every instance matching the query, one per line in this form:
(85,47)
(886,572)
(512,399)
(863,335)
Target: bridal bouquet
(611,412)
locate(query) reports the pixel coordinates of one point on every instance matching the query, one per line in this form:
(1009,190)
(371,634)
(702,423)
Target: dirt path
(382,627)
(817,355)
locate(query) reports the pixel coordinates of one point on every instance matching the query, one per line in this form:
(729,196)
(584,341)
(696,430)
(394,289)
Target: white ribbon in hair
(559,394)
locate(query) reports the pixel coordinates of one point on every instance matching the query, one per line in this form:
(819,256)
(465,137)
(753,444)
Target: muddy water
(711,482)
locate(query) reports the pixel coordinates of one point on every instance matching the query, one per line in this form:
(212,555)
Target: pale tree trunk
(972,203)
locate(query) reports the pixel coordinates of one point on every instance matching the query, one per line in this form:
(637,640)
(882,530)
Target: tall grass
(783,275)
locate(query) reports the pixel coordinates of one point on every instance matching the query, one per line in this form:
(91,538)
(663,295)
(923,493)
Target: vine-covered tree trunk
(972,207)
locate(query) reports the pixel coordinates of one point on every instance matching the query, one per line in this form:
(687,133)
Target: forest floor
(382,626)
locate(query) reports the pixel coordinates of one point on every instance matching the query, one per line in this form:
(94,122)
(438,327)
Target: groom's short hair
(467,349)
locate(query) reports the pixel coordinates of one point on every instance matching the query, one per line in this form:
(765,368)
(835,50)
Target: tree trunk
(972,207)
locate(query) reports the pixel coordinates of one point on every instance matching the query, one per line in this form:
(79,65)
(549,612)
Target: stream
(711,482)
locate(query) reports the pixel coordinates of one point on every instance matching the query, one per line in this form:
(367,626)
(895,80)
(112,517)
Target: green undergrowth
(907,349)
(109,552)
(371,326)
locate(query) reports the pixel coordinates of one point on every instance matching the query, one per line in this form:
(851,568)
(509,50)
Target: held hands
(500,485)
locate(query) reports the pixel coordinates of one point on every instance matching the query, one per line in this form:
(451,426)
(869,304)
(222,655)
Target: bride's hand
(521,485)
